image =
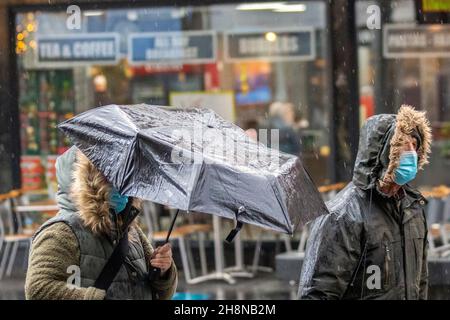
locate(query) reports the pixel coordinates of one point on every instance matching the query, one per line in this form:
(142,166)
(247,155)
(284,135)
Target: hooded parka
(371,246)
(70,250)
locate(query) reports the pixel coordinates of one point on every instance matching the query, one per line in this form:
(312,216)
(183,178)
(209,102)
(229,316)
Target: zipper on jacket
(387,260)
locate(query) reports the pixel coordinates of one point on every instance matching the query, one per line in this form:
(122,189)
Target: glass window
(261,67)
(393,72)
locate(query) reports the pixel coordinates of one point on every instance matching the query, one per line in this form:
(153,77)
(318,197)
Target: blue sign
(271,45)
(190,47)
(100,48)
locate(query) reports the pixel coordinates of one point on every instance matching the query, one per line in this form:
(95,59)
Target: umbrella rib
(221,182)
(280,203)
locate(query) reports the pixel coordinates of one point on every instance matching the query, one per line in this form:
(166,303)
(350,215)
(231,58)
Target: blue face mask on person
(407,168)
(117,201)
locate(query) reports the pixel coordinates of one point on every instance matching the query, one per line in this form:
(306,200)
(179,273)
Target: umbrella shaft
(172,225)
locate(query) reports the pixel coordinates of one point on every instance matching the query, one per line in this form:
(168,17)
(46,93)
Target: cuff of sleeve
(94,294)
(168,280)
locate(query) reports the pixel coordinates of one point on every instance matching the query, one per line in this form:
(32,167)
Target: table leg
(239,269)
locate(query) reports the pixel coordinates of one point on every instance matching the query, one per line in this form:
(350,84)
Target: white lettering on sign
(91,49)
(260,46)
(174,47)
(171,42)
(161,42)
(49,50)
(180,41)
(441,40)
(182,53)
(407,40)
(78,50)
(66,52)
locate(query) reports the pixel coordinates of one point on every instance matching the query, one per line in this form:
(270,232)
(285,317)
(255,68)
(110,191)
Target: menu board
(270,45)
(188,47)
(76,49)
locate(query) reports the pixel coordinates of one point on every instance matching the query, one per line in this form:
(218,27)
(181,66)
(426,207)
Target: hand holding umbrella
(162,258)
(137,148)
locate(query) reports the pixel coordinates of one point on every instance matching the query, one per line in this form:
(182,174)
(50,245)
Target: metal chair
(11,241)
(436,220)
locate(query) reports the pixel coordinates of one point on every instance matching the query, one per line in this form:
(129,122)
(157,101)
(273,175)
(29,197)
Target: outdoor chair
(10,241)
(436,220)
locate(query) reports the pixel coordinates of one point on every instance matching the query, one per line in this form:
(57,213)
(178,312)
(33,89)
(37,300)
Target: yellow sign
(436,5)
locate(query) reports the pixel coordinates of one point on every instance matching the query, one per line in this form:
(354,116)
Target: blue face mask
(117,201)
(407,168)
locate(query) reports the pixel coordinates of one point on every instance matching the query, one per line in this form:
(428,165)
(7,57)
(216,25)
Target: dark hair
(416,134)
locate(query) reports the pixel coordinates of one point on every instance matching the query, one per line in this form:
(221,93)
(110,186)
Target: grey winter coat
(371,246)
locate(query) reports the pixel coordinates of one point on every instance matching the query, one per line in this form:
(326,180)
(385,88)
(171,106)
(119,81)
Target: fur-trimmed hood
(85,190)
(381,139)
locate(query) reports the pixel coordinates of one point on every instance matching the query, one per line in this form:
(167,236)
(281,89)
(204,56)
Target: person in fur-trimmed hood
(373,243)
(70,250)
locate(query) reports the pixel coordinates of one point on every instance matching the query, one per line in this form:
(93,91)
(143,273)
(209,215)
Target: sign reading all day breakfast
(190,47)
(100,48)
(282,45)
(416,41)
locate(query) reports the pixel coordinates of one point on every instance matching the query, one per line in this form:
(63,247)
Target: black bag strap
(117,257)
(113,264)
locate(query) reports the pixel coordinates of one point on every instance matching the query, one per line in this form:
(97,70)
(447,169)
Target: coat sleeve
(53,251)
(167,285)
(332,255)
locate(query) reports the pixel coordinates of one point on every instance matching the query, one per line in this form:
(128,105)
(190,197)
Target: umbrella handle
(154,272)
(238,227)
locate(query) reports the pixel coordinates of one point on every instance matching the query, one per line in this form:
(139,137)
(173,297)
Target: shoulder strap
(113,265)
(117,257)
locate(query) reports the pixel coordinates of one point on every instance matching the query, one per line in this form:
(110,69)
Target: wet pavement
(263,287)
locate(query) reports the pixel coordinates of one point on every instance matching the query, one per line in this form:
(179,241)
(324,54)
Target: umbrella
(194,160)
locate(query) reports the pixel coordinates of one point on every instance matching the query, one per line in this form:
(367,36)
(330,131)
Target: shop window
(260,67)
(405,62)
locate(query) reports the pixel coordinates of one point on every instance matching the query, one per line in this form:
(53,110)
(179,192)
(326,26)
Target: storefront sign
(92,48)
(272,45)
(191,47)
(416,41)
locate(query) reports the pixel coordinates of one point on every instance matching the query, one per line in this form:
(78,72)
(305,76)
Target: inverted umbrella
(194,160)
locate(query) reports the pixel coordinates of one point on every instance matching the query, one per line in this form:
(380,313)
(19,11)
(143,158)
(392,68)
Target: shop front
(406,60)
(259,65)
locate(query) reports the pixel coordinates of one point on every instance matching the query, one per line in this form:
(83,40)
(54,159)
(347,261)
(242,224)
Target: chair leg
(303,238)
(201,246)
(287,242)
(12,259)
(4,258)
(257,254)
(27,254)
(184,259)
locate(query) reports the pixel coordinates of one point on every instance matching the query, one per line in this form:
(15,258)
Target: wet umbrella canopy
(194,160)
